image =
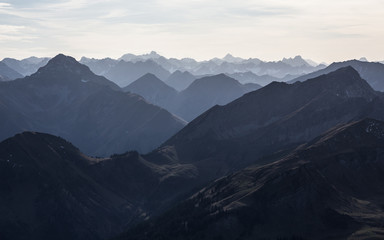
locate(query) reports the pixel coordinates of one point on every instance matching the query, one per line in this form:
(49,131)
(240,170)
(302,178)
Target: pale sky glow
(323,30)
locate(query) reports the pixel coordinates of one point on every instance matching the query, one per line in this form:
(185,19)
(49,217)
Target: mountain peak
(230,58)
(344,82)
(363,59)
(62,62)
(66,68)
(149,76)
(297,61)
(62,59)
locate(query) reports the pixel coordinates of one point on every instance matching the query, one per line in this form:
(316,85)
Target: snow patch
(84,81)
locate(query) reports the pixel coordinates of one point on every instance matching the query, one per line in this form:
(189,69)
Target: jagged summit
(297,61)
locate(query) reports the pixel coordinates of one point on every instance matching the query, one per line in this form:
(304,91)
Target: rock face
(65,98)
(330,188)
(372,72)
(50,190)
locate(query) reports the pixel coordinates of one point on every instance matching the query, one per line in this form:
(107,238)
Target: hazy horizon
(323,31)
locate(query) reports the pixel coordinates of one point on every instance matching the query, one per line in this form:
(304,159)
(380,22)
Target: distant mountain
(372,72)
(229,65)
(297,61)
(363,59)
(206,92)
(327,189)
(250,77)
(180,80)
(50,190)
(137,65)
(66,99)
(153,90)
(99,66)
(312,63)
(7,73)
(26,66)
(124,73)
(131,57)
(201,95)
(231,58)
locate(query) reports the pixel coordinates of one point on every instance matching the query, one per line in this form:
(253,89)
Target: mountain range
(130,67)
(199,96)
(284,161)
(372,72)
(180,80)
(7,73)
(65,98)
(26,66)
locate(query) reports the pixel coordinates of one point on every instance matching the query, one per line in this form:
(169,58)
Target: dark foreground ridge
(330,188)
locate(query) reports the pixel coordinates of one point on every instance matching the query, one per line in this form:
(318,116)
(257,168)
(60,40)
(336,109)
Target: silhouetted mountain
(124,73)
(64,67)
(328,189)
(180,80)
(201,95)
(26,66)
(65,98)
(7,73)
(50,190)
(153,90)
(206,92)
(372,72)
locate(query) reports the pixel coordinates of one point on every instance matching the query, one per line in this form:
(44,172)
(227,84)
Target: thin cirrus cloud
(270,29)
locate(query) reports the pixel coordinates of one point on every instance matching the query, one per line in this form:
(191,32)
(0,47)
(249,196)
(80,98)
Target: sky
(322,30)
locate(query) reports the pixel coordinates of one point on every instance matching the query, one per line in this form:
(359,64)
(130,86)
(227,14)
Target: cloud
(197,28)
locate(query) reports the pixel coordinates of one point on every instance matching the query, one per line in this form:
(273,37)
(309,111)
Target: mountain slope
(180,80)
(46,195)
(153,90)
(277,117)
(124,73)
(372,72)
(327,189)
(26,66)
(66,99)
(206,92)
(50,190)
(7,73)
